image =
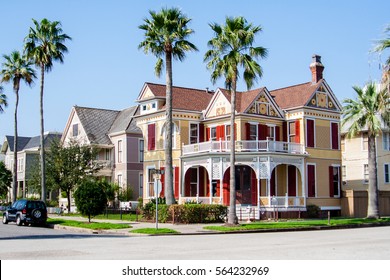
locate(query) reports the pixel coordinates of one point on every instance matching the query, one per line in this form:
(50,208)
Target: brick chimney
(316,68)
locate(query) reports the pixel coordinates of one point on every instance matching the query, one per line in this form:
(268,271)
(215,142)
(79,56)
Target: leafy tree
(367,112)
(44,44)
(68,166)
(5,180)
(125,193)
(3,100)
(90,197)
(16,68)
(166,34)
(232,48)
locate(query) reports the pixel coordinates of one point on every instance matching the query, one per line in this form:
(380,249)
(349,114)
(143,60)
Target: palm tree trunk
(372,209)
(15,165)
(42,151)
(168,132)
(232,218)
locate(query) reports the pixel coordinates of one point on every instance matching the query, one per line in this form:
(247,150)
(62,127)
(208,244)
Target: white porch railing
(202,200)
(282,201)
(104,164)
(245,146)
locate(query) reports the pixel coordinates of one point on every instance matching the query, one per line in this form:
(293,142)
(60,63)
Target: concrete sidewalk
(188,229)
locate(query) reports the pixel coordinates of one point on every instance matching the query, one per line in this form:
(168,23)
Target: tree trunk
(15,165)
(170,199)
(42,147)
(232,217)
(68,198)
(373,206)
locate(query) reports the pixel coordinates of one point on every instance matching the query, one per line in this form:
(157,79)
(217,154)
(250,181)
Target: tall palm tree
(231,48)
(16,68)
(368,111)
(44,44)
(3,100)
(166,35)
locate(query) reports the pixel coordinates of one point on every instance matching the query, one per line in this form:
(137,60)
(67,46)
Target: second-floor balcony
(245,146)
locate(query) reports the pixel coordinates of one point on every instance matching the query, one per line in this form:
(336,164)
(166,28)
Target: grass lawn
(125,217)
(154,231)
(92,225)
(285,224)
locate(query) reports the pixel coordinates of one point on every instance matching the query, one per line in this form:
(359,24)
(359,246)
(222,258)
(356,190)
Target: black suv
(26,212)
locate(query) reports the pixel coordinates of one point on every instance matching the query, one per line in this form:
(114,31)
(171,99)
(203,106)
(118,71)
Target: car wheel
(5,220)
(37,214)
(19,221)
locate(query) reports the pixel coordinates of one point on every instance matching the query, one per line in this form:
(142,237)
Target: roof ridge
(176,86)
(93,108)
(291,86)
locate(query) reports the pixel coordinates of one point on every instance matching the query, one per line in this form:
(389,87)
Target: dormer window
(143,107)
(153,105)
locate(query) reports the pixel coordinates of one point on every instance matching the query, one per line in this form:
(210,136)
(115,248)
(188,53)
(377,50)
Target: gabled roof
(96,123)
(183,98)
(124,121)
(243,98)
(27,143)
(294,96)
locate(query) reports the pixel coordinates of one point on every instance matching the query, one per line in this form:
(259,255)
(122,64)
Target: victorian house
(287,145)
(118,140)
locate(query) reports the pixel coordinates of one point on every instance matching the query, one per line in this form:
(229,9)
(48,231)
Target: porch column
(303,183)
(197,184)
(221,181)
(258,195)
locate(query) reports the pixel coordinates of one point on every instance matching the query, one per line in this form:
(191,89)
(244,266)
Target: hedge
(185,213)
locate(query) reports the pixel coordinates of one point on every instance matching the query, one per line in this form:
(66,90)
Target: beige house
(28,157)
(118,139)
(355,172)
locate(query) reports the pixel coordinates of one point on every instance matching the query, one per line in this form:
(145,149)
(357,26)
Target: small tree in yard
(90,198)
(68,166)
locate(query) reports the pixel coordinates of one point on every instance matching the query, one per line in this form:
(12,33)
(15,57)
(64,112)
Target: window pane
(387,179)
(194,133)
(366,173)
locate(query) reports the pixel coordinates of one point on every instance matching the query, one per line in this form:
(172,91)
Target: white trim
(364,180)
(189,131)
(147,180)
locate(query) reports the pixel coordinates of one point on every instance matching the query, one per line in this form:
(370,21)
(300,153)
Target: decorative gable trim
(216,106)
(264,105)
(324,98)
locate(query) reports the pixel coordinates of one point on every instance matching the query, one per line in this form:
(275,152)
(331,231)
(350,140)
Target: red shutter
(253,187)
(176,183)
(285,132)
(311,181)
(201,132)
(292,180)
(226,188)
(262,132)
(335,136)
(310,133)
(247,131)
(235,131)
(297,132)
(221,130)
(162,192)
(208,134)
(277,133)
(151,137)
(331,188)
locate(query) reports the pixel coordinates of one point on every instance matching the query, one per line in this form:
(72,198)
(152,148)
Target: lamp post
(157,176)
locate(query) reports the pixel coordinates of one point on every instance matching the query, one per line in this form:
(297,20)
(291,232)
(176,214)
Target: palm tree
(16,68)
(230,49)
(368,111)
(3,100)
(44,44)
(166,35)
(381,46)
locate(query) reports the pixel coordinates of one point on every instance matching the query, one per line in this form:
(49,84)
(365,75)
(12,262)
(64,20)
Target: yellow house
(287,145)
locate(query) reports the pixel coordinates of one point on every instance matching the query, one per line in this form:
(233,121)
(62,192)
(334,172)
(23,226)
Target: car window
(35,205)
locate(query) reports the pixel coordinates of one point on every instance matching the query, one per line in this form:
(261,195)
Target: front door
(243,184)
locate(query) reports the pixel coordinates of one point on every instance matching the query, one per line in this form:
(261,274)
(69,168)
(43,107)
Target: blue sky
(105,69)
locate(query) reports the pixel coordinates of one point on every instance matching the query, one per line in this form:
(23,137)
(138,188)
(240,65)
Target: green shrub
(313,211)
